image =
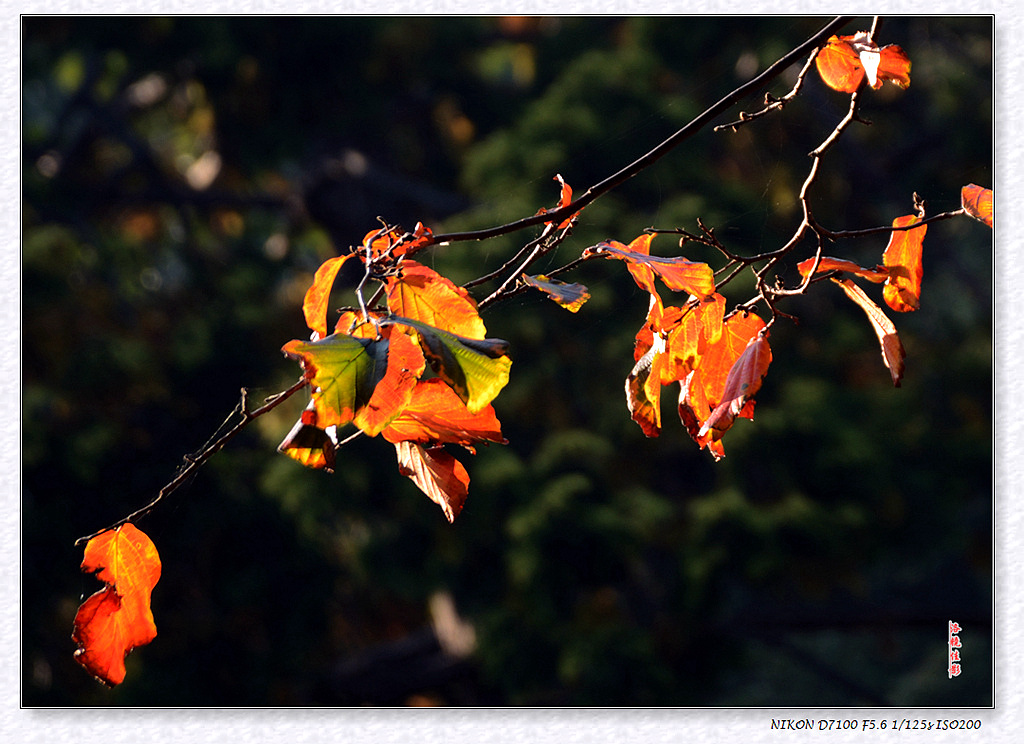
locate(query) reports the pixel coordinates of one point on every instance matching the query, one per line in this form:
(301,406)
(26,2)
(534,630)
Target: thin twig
(193,463)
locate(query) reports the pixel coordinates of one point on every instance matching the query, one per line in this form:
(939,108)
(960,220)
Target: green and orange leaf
(420,293)
(977,202)
(309,444)
(889,341)
(845,61)
(117,618)
(902,259)
(569,296)
(476,369)
(437,473)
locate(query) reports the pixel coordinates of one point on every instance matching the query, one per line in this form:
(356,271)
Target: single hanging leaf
(439,475)
(435,414)
(741,385)
(476,369)
(564,201)
(420,293)
(569,296)
(902,258)
(877,275)
(677,273)
(845,61)
(117,618)
(704,388)
(314,306)
(977,202)
(308,443)
(892,348)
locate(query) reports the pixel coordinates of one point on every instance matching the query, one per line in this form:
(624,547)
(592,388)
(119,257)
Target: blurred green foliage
(183,178)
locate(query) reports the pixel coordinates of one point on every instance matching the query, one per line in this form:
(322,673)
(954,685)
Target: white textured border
(454,726)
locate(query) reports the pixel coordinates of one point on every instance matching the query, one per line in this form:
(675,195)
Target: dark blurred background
(184,177)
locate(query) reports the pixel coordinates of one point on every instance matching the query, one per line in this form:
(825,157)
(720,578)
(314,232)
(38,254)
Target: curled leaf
(891,346)
(117,618)
(742,383)
(677,273)
(902,259)
(977,202)
(569,296)
(877,275)
(308,444)
(314,305)
(437,473)
(435,414)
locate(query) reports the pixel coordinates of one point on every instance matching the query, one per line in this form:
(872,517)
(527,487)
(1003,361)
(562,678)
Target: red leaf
(846,60)
(876,275)
(902,257)
(437,473)
(314,306)
(564,201)
(117,618)
(892,348)
(977,202)
(436,414)
(741,385)
(705,387)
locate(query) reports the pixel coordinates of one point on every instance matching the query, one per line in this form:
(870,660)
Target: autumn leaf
(117,618)
(476,369)
(314,305)
(435,414)
(845,61)
(362,381)
(677,273)
(902,259)
(569,296)
(705,387)
(666,350)
(309,444)
(564,201)
(977,202)
(891,346)
(877,275)
(437,473)
(742,383)
(420,293)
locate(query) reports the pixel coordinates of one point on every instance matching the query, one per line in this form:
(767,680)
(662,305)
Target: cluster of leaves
(411,361)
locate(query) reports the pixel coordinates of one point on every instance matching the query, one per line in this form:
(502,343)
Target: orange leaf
(308,443)
(436,414)
(564,201)
(420,293)
(437,473)
(902,257)
(876,275)
(741,385)
(569,296)
(845,61)
(705,387)
(892,348)
(392,394)
(677,273)
(314,306)
(117,618)
(977,202)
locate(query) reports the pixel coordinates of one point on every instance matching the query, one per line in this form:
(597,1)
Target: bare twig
(192,463)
